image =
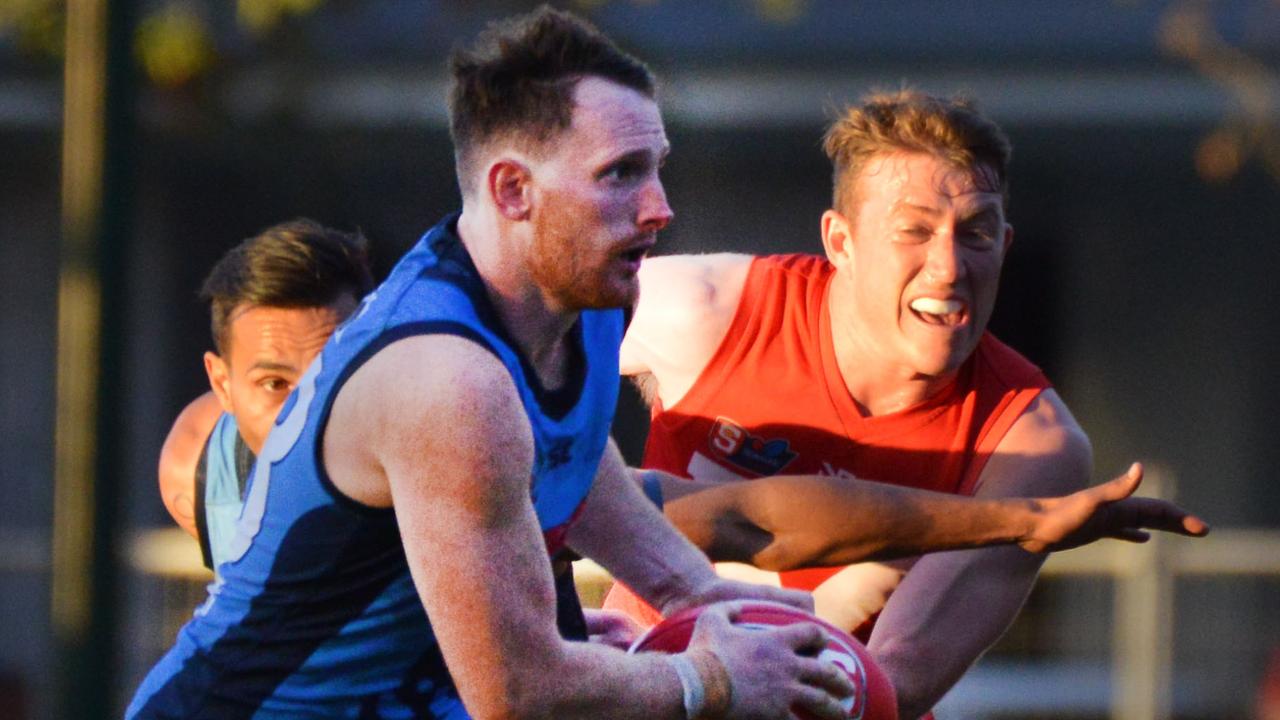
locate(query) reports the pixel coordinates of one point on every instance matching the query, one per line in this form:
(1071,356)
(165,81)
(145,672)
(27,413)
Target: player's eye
(624,170)
(274,384)
(915,233)
(977,237)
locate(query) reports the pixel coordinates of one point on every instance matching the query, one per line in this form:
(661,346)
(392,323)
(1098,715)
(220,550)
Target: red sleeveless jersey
(772,401)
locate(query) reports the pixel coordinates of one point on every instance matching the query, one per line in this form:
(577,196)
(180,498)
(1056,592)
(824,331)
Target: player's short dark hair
(296,264)
(911,121)
(516,80)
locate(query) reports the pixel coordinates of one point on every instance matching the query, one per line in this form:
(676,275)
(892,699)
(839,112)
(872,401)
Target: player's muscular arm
(687,303)
(179,456)
(622,530)
(454,449)
(952,606)
(788,522)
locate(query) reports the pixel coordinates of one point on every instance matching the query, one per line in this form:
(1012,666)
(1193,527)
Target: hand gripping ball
(873,698)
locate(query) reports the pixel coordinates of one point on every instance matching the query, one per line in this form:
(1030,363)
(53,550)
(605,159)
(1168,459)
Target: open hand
(1106,511)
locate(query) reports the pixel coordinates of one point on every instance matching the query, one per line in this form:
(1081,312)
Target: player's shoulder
(434,369)
(692,279)
(1046,424)
(1048,414)
(180,455)
(191,430)
(1047,435)
(686,294)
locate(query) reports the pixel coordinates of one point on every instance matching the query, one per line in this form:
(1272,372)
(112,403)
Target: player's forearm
(948,611)
(920,678)
(788,522)
(655,560)
(589,681)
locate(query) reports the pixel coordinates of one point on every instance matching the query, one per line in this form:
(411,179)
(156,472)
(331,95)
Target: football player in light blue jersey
(274,299)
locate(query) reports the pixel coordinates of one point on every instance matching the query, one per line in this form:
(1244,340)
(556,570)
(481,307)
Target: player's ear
(508,184)
(837,238)
(219,379)
(1008,240)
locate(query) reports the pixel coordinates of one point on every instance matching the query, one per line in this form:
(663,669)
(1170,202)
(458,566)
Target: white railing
(1144,578)
(1141,677)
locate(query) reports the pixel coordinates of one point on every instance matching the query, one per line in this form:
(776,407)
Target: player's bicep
(457,454)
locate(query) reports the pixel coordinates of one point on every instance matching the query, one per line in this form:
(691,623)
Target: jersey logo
(559,451)
(547,457)
(731,442)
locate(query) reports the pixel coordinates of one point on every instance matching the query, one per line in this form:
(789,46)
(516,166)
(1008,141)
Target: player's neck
(537,325)
(877,381)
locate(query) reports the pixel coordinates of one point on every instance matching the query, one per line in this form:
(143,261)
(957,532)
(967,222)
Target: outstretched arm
(179,456)
(787,522)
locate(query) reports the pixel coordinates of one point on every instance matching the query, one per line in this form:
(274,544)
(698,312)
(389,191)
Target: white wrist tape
(695,695)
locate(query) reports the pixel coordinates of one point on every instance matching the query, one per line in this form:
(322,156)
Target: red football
(873,698)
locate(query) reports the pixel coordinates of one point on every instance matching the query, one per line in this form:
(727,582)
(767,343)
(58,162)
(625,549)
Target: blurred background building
(1145,196)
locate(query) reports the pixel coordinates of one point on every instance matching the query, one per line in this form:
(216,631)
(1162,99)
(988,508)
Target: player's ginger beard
(561,267)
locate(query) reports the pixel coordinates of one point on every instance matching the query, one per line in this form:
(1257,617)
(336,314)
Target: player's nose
(654,212)
(943,264)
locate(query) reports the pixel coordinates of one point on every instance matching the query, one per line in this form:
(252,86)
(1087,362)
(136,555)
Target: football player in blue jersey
(274,299)
(391,559)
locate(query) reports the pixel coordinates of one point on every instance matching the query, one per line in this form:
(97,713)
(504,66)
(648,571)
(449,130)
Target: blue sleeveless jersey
(222,475)
(314,613)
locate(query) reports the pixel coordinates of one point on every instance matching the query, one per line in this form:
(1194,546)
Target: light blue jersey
(222,474)
(314,613)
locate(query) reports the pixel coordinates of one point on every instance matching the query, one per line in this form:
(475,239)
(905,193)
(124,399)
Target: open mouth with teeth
(943,313)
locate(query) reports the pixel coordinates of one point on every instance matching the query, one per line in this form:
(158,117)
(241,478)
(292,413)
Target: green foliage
(173,44)
(37,25)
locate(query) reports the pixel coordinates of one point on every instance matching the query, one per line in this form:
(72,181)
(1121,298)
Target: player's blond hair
(910,121)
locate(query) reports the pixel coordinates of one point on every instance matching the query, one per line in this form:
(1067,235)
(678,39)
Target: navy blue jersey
(314,613)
